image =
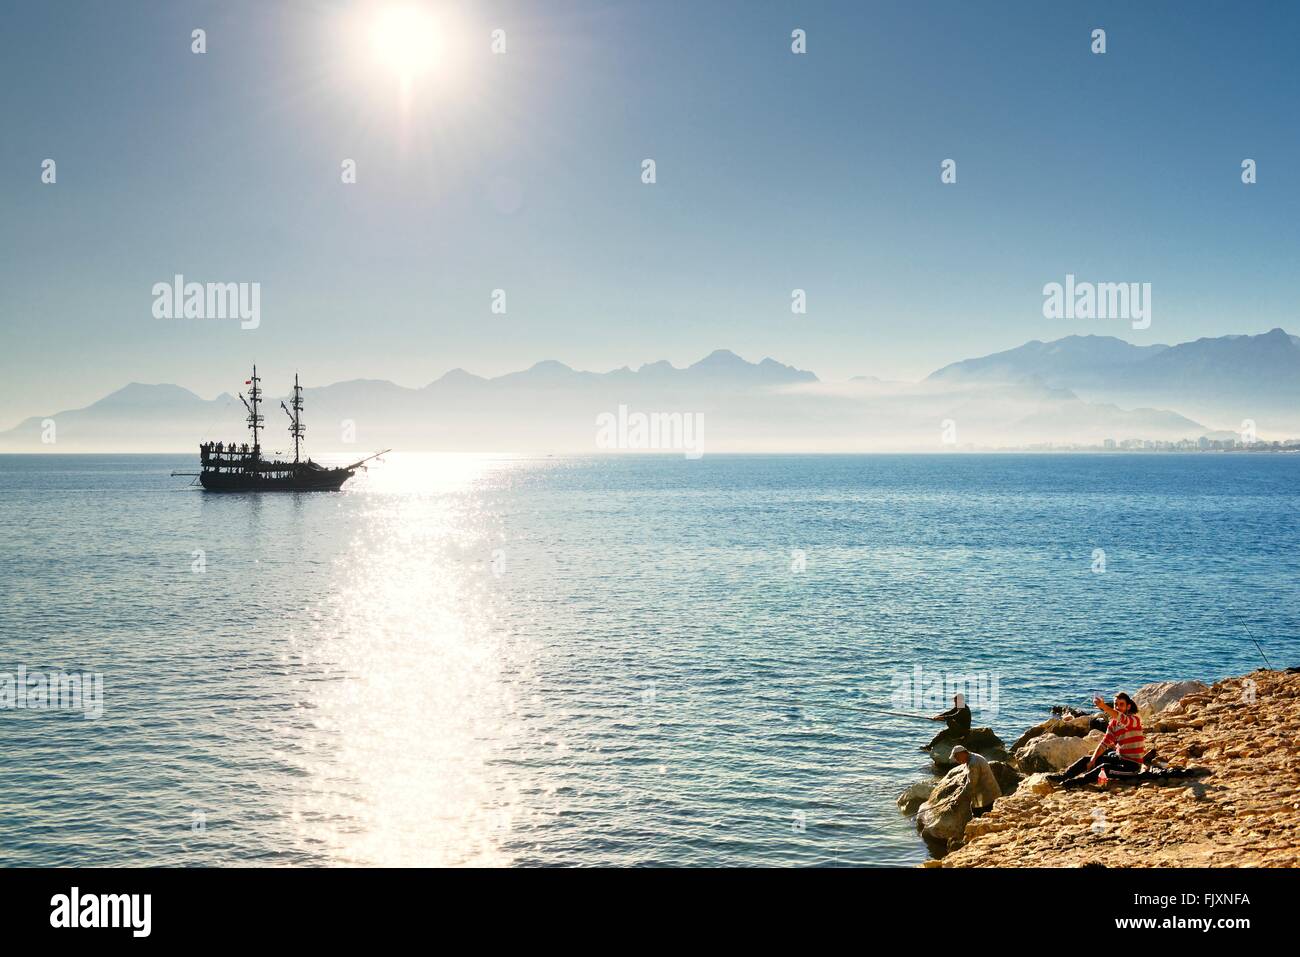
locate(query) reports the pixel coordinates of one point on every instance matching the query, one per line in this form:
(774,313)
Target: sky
(522,171)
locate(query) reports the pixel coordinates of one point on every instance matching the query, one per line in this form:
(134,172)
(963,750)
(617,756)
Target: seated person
(958,720)
(1120,752)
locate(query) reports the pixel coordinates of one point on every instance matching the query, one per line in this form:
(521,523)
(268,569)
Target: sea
(636,660)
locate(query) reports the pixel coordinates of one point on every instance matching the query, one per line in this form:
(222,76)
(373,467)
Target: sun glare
(405,39)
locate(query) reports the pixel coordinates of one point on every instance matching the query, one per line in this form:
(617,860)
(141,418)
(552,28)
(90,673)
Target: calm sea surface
(589,661)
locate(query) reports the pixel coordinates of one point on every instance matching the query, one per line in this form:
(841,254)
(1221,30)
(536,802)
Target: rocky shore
(1236,805)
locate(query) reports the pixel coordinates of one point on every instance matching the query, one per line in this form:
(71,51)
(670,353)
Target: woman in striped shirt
(1119,754)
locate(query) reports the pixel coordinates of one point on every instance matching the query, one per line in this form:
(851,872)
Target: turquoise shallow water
(594,661)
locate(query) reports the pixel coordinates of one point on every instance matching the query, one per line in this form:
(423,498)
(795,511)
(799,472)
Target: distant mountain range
(1225,380)
(1076,389)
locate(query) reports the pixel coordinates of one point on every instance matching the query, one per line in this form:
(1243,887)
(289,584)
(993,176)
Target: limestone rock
(944,816)
(1246,813)
(915,795)
(1054,752)
(1153,698)
(1074,726)
(1008,778)
(980,740)
(1037,784)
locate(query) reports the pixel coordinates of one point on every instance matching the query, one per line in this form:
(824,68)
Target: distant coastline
(1185,447)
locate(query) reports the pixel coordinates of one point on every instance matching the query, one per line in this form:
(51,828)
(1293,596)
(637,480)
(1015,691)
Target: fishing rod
(849,707)
(899,714)
(1241,621)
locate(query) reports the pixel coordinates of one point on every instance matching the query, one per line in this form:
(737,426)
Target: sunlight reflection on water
(401,740)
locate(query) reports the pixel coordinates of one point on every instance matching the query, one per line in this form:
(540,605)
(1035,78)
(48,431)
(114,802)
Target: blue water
(594,661)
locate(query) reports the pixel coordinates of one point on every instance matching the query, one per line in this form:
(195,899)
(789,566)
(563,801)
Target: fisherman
(958,720)
(1120,752)
(982,786)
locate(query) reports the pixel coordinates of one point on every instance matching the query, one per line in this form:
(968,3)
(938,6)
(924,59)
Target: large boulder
(980,740)
(915,795)
(1070,727)
(944,816)
(1156,697)
(1055,752)
(1008,778)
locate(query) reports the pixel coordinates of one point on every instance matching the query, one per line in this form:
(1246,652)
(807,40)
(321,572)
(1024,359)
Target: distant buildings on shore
(1202,444)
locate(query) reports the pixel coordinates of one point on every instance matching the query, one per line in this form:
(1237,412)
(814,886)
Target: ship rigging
(239,467)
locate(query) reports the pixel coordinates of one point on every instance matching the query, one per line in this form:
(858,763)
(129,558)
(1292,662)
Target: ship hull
(323,480)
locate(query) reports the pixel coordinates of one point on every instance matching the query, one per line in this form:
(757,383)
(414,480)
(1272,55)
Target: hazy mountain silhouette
(1221,380)
(1018,397)
(1070,362)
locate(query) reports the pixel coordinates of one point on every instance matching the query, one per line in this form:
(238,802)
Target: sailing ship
(239,467)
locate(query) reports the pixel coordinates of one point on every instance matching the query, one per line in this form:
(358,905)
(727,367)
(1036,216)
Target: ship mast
(296,429)
(254,417)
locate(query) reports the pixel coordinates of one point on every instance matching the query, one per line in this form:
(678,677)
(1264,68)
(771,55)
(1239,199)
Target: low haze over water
(596,661)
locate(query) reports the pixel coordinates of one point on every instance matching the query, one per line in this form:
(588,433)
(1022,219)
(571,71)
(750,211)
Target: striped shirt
(1124,734)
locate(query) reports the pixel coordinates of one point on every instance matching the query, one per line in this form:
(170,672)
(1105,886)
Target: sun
(406,40)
